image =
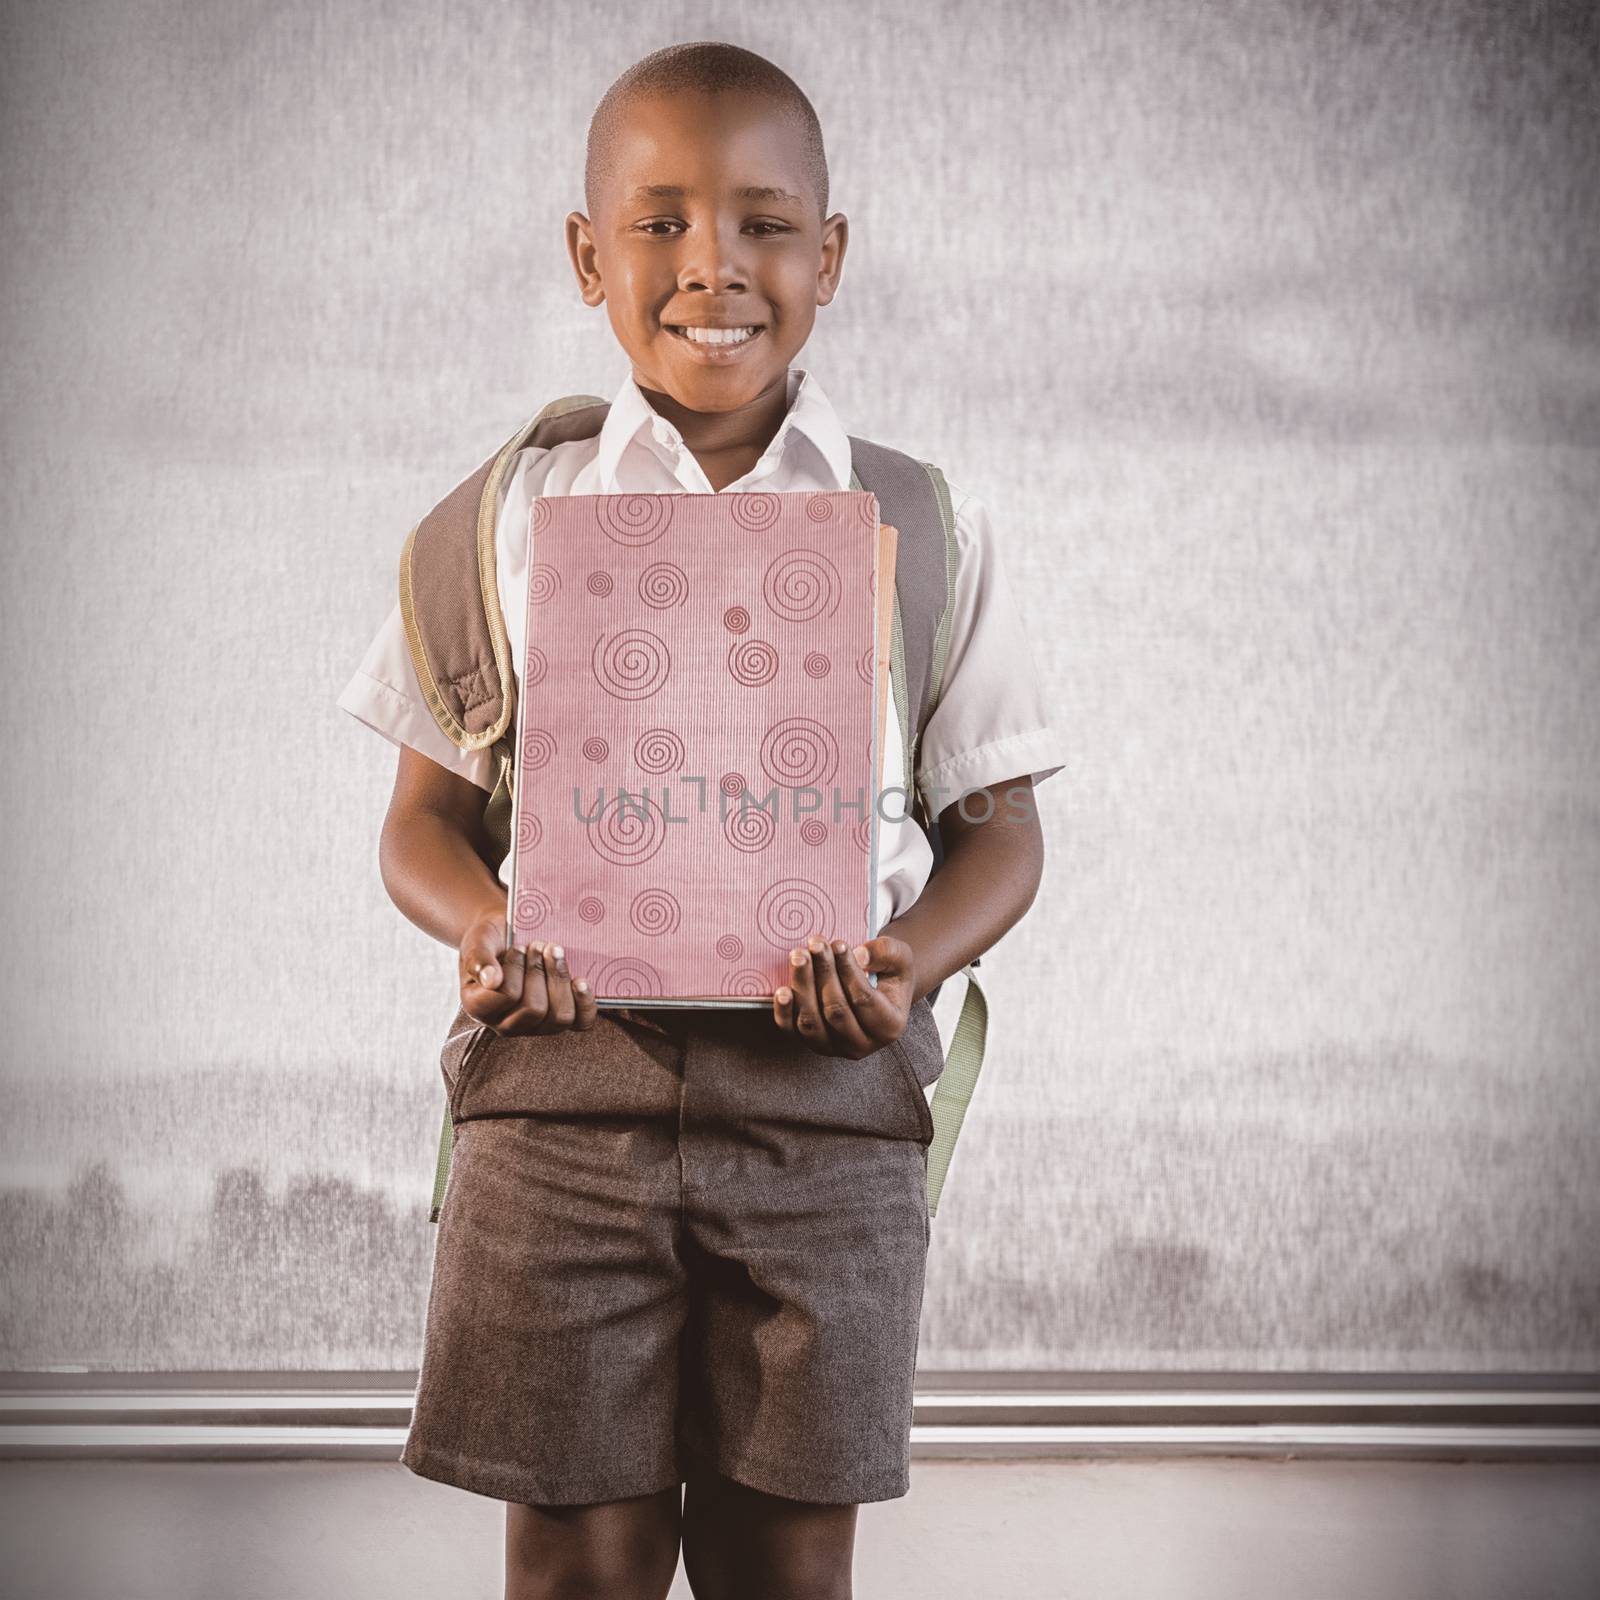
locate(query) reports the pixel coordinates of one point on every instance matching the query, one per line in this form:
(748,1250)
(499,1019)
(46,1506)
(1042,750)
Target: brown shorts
(678,1239)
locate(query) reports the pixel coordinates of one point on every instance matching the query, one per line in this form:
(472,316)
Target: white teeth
(718,335)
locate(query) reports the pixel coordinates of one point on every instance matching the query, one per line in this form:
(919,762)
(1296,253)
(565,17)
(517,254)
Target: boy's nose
(713,261)
(727,280)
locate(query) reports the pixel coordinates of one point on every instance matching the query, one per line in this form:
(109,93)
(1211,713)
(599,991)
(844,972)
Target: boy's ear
(835,239)
(585,262)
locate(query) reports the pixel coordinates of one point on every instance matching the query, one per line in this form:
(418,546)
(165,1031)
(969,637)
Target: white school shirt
(990,724)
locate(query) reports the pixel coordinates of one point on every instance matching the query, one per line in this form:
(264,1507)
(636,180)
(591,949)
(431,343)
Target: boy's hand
(833,1008)
(520,991)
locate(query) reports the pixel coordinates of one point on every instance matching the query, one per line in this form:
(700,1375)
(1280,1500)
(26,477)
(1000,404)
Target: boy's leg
(739,1541)
(624,1549)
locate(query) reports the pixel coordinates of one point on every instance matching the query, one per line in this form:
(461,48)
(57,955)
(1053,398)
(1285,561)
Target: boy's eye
(776,227)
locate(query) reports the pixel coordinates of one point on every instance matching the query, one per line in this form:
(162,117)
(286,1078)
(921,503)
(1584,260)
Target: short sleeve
(384,694)
(993,717)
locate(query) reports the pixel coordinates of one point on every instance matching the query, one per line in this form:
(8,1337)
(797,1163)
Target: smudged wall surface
(1268,332)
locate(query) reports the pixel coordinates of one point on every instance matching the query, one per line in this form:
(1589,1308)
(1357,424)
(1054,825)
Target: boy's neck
(723,440)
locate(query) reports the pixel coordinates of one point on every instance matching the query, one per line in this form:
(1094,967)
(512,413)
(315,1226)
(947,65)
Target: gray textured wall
(1270,334)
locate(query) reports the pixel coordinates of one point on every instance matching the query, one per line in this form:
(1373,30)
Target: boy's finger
(783,1007)
(876,1015)
(480,964)
(535,992)
(584,1004)
(807,1022)
(561,1008)
(882,954)
(838,1015)
(529,1012)
(496,1006)
(513,975)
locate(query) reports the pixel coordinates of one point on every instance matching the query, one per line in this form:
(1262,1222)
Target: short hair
(707,67)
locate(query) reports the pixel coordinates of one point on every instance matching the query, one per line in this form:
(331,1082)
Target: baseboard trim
(990,1415)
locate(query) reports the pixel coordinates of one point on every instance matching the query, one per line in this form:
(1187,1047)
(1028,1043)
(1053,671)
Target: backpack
(450,605)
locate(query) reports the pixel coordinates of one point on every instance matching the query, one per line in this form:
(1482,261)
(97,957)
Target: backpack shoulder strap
(449,595)
(914,498)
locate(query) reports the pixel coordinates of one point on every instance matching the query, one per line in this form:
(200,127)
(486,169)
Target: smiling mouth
(715,350)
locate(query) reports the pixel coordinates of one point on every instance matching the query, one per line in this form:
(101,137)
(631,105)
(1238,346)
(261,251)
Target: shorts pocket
(919,1026)
(462,1050)
(924,1048)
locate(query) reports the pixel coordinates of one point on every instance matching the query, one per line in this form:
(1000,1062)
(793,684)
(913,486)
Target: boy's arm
(433,853)
(435,860)
(987,881)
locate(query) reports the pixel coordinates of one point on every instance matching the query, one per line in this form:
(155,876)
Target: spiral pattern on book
(791,909)
(538,748)
(799,753)
(655,913)
(634,519)
(659,750)
(632,664)
(627,978)
(752,662)
(664,585)
(533,911)
(802,585)
(755,513)
(629,829)
(749,828)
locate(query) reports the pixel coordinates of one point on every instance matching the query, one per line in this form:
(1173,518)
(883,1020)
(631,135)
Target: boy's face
(708,255)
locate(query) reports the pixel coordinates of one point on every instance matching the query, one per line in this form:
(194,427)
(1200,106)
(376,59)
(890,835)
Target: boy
(690,1245)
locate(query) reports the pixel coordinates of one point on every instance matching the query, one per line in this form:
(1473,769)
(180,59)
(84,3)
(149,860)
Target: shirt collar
(810,414)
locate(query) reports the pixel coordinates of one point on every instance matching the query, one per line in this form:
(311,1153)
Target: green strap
(941,637)
(956,1083)
(441,1173)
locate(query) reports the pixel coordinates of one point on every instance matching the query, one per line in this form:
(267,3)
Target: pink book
(699,737)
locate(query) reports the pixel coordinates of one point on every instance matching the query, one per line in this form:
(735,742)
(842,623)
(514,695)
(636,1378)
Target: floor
(1026,1530)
